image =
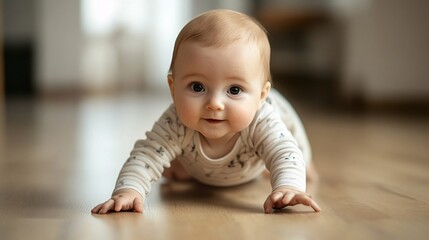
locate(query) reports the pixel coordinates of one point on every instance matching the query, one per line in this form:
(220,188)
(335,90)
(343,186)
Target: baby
(226,125)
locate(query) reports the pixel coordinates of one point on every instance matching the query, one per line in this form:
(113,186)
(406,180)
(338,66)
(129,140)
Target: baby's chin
(217,135)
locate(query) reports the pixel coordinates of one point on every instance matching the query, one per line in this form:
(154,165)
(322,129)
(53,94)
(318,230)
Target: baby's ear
(170,84)
(264,93)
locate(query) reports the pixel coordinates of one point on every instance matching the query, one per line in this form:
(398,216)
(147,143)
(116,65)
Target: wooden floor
(59,158)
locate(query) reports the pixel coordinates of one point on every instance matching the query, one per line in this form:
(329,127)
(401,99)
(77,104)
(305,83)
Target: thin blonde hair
(220,27)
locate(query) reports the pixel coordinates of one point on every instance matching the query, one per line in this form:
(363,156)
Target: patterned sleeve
(279,149)
(292,121)
(150,156)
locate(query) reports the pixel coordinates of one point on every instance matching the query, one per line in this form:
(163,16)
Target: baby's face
(217,91)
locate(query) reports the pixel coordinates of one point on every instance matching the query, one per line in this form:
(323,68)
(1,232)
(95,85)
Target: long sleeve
(150,156)
(292,121)
(279,149)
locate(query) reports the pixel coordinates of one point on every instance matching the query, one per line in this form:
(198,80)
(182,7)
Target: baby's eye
(234,90)
(197,87)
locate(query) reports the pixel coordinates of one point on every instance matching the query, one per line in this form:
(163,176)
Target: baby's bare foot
(176,172)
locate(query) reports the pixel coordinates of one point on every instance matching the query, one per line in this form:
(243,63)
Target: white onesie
(275,140)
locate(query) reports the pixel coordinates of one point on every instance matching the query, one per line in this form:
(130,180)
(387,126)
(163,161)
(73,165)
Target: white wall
(70,58)
(386,51)
(58,43)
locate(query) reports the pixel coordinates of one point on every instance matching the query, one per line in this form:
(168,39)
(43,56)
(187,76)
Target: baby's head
(218,28)
(219,75)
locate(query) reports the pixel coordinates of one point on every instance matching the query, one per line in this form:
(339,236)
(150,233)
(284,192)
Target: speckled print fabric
(274,140)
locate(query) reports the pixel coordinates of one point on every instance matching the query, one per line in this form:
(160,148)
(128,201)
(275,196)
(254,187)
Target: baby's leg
(176,172)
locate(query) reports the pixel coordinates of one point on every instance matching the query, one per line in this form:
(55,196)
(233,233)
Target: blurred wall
(122,55)
(21,26)
(18,46)
(386,52)
(128,44)
(58,45)
(384,46)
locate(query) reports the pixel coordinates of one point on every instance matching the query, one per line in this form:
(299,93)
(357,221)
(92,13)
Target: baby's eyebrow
(240,81)
(234,78)
(193,75)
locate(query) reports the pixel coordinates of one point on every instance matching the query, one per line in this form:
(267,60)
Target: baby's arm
(122,200)
(288,196)
(285,162)
(145,165)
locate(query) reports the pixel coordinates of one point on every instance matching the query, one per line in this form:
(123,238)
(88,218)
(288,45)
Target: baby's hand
(288,196)
(123,200)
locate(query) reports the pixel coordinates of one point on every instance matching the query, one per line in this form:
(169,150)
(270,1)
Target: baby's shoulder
(265,114)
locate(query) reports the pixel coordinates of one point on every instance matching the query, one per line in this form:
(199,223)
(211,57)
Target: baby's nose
(215,103)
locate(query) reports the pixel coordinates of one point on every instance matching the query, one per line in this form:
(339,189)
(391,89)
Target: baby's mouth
(213,121)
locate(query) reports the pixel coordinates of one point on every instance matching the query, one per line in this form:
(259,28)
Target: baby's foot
(176,172)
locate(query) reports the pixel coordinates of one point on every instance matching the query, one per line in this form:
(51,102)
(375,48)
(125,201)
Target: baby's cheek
(242,117)
(187,116)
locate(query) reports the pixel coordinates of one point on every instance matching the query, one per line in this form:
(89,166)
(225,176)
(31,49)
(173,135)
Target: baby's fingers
(311,203)
(268,205)
(97,208)
(307,201)
(120,204)
(108,205)
(287,198)
(271,201)
(138,205)
(104,207)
